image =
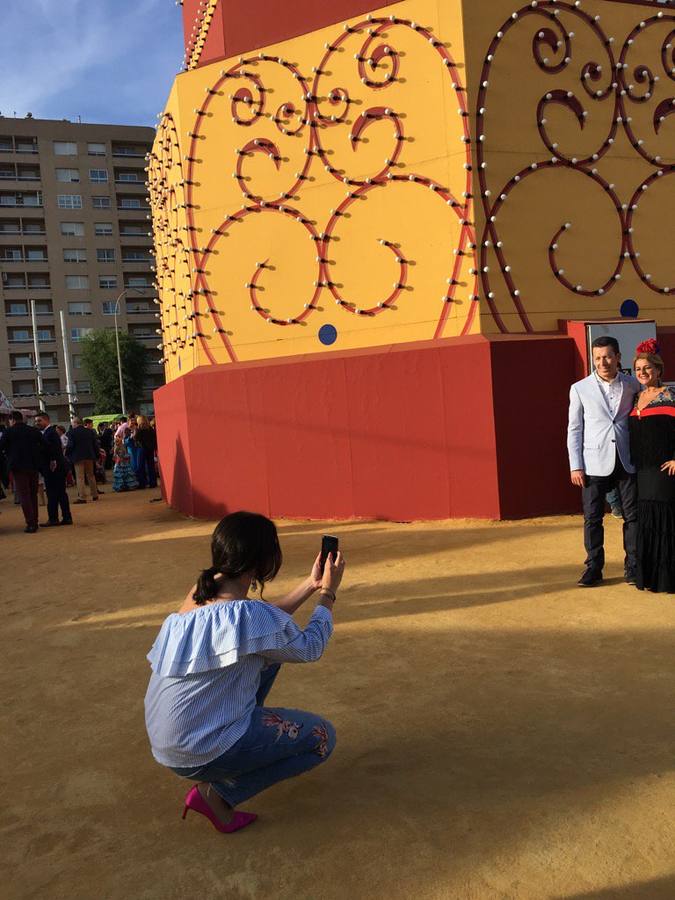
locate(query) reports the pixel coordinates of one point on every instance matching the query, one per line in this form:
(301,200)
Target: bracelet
(327,592)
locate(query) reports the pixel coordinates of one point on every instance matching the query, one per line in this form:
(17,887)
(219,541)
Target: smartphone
(329,546)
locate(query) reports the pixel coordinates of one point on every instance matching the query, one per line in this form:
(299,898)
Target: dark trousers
(145,470)
(55,485)
(593,496)
(26,483)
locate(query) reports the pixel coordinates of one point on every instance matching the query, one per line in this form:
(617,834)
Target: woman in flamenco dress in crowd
(652,435)
(124,478)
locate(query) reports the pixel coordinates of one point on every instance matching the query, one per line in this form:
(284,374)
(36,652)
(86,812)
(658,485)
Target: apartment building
(74,236)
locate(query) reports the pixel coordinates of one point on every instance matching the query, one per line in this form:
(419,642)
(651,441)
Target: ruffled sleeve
(219,635)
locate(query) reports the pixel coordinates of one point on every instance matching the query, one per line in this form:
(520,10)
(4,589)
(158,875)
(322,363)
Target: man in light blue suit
(599,452)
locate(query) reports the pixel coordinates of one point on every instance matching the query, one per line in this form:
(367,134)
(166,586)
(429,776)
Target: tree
(99,359)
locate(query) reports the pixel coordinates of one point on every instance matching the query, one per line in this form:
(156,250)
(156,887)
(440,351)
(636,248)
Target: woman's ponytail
(207,587)
(243,543)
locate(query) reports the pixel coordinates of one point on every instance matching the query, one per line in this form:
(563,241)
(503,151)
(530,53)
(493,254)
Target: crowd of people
(45,459)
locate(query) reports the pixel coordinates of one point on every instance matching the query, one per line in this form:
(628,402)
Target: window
(19,335)
(69,201)
(72,229)
(11,254)
(129,177)
(130,254)
(100,202)
(6,144)
(33,226)
(105,255)
(103,229)
(138,281)
(26,145)
(133,228)
(65,148)
(52,386)
(21,361)
(45,334)
(77,362)
(76,334)
(107,282)
(16,309)
(130,203)
(36,254)
(49,361)
(38,280)
(75,255)
(98,175)
(10,226)
(43,307)
(79,309)
(20,198)
(23,388)
(109,307)
(77,282)
(12,281)
(94,149)
(84,387)
(67,175)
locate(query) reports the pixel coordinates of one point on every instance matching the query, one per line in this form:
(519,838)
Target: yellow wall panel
(324,185)
(318,195)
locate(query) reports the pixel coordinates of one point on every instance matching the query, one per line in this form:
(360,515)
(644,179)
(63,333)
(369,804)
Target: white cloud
(48,47)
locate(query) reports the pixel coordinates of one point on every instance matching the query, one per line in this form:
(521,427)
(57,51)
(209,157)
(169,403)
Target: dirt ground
(501,733)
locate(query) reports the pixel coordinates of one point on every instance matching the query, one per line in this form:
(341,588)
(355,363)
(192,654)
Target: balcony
(9,172)
(130,176)
(130,151)
(133,204)
(13,200)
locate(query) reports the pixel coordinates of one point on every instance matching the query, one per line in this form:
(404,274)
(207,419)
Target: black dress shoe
(630,576)
(590,578)
(30,529)
(66,521)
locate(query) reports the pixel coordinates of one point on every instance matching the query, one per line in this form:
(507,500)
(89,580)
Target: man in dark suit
(26,453)
(82,451)
(54,474)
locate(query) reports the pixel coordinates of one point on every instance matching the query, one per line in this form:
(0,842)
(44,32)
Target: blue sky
(108,61)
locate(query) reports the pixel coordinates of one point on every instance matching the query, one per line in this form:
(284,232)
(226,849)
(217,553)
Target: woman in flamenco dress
(652,440)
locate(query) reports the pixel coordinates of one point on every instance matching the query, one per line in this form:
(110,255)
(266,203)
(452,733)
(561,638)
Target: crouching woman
(213,664)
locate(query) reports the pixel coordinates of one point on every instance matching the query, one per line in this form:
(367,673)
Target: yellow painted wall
(256,277)
(543,201)
(412,215)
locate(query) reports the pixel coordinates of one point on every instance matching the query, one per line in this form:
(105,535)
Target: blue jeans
(279,744)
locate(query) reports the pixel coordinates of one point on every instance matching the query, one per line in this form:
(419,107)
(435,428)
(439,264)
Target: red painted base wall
(236,29)
(466,427)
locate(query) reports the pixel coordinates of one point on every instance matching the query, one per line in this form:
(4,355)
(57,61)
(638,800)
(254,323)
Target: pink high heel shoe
(195,801)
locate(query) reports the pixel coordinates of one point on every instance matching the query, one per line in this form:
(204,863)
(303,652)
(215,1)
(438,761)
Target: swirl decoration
(314,112)
(166,187)
(615,81)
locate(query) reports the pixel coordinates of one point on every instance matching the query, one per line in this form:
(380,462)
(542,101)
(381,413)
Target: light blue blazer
(594,436)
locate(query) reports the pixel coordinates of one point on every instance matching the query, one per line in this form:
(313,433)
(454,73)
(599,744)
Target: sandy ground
(501,733)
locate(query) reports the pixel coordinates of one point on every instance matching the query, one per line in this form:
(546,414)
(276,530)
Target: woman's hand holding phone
(332,573)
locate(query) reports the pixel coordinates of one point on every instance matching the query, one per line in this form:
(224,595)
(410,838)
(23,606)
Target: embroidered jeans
(279,744)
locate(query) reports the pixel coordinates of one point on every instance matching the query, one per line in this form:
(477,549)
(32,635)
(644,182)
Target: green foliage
(99,359)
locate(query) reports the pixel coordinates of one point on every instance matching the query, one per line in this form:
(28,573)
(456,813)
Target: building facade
(74,236)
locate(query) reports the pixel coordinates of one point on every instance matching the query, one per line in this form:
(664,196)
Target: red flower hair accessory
(649,346)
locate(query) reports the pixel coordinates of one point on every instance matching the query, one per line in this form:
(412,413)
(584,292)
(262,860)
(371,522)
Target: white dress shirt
(612,391)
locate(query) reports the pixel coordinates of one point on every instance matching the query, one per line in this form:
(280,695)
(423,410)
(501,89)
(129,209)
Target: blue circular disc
(328,334)
(629,309)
